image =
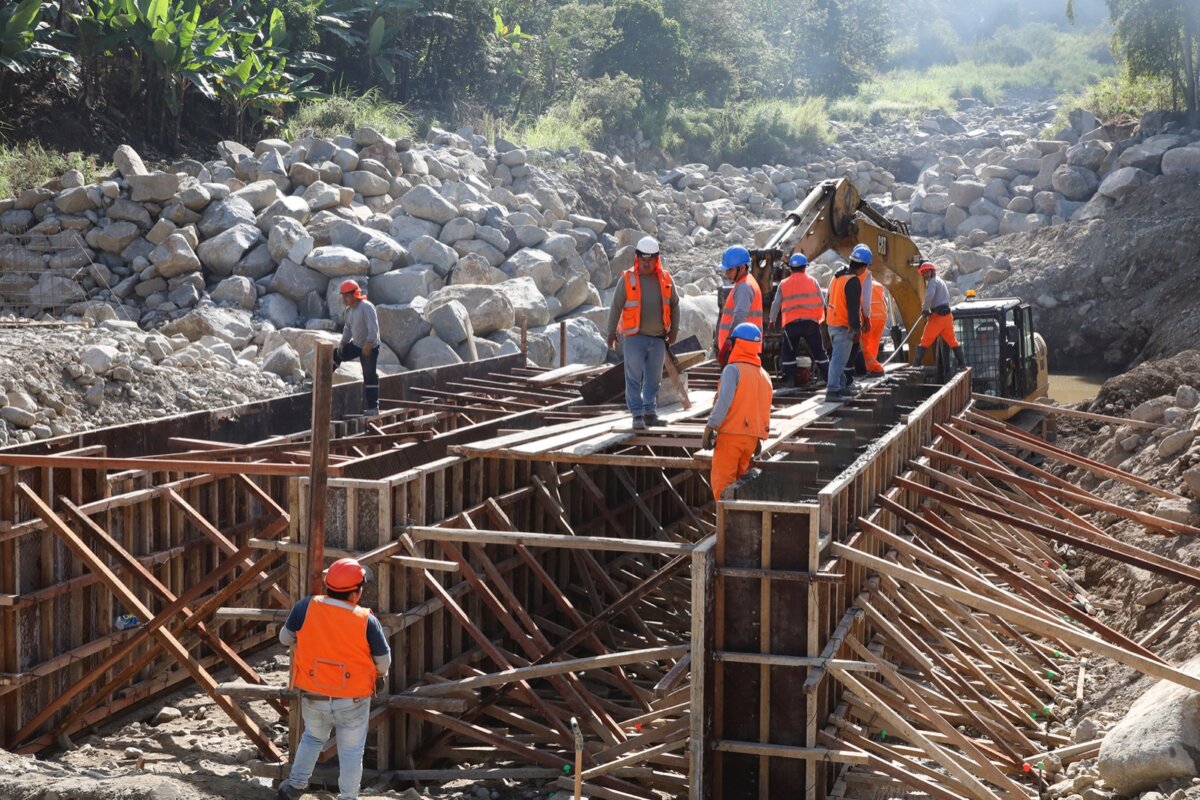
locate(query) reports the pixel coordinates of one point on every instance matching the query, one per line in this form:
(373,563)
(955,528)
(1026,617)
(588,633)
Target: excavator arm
(834,217)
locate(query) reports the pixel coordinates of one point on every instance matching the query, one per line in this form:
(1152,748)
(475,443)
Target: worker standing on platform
(939,320)
(360,339)
(844,320)
(800,301)
(741,413)
(341,651)
(744,301)
(874,313)
(645,309)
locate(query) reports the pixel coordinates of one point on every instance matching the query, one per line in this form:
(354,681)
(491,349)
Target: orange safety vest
(755,315)
(839,315)
(750,412)
(332,655)
(631,314)
(877,305)
(801,298)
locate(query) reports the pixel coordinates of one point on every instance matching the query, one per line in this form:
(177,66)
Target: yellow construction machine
(1007,355)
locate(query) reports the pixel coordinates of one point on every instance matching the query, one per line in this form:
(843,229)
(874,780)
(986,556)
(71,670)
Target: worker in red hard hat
(938,319)
(340,653)
(360,339)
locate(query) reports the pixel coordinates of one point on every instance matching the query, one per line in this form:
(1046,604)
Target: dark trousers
(810,331)
(350,351)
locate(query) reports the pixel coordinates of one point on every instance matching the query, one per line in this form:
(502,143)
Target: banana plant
(373,27)
(25,38)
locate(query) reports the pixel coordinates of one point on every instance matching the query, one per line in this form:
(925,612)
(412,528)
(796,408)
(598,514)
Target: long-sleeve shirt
(936,294)
(726,389)
(650,320)
(853,293)
(362,324)
(743,296)
(381,652)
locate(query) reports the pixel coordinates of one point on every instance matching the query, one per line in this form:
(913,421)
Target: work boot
(652,420)
(920,355)
(288,792)
(960,358)
(639,423)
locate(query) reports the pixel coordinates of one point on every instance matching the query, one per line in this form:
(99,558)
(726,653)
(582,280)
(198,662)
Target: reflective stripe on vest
(755,315)
(801,298)
(631,313)
(750,412)
(332,655)
(838,315)
(878,304)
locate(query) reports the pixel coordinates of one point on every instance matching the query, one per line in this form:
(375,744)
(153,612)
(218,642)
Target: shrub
(343,112)
(559,129)
(612,100)
(759,132)
(28,164)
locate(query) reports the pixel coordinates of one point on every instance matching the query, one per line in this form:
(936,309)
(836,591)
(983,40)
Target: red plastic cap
(345,575)
(926,267)
(349,287)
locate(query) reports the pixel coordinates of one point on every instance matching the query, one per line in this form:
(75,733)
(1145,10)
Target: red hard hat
(927,267)
(349,287)
(345,574)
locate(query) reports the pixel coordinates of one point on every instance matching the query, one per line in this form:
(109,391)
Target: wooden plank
(1046,408)
(480,536)
(153,465)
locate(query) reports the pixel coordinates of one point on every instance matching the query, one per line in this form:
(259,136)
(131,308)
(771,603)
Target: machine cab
(1000,345)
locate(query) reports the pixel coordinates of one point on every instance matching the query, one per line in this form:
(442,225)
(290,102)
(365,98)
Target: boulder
(1123,181)
(283,236)
(128,162)
(259,194)
(559,245)
(983,222)
(174,257)
(402,286)
(473,269)
(295,281)
(113,237)
(529,305)
(406,229)
(284,208)
(283,361)
(368,241)
(278,310)
(451,322)
(227,324)
(225,214)
(532,263)
(367,184)
(1075,183)
(400,327)
(1152,410)
(457,229)
(574,293)
(130,212)
(1156,739)
(1013,222)
(320,196)
(1089,154)
(423,202)
(100,358)
(489,307)
(431,352)
(585,343)
(428,250)
(1181,161)
(157,188)
(479,248)
(1149,154)
(335,261)
(236,290)
(221,253)
(964,192)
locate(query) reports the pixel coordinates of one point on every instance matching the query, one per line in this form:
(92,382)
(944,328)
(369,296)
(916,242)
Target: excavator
(1007,356)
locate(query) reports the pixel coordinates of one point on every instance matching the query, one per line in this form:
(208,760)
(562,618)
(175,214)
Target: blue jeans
(843,343)
(644,357)
(349,717)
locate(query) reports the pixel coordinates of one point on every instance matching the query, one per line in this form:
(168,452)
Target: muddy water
(1075,388)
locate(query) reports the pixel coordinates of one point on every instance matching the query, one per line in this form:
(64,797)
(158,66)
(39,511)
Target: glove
(709,439)
(925,314)
(671,337)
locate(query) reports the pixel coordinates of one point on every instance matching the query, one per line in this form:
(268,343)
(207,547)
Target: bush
(25,165)
(760,132)
(344,112)
(559,129)
(1114,96)
(611,100)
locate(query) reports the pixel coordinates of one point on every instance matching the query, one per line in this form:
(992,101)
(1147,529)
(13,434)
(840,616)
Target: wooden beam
(652,546)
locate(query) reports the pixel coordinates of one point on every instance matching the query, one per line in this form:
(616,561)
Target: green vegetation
(344,112)
(23,166)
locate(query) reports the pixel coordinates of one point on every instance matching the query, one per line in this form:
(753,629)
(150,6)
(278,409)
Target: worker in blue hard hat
(844,320)
(802,305)
(744,301)
(738,423)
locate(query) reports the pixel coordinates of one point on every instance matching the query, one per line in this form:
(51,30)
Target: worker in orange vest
(800,301)
(939,321)
(874,313)
(742,411)
(744,301)
(845,321)
(341,651)
(645,309)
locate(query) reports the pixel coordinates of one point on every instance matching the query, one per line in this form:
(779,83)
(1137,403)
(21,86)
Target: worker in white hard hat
(645,310)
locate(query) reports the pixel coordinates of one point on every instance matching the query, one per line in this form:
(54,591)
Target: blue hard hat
(748,331)
(798,261)
(736,256)
(861,253)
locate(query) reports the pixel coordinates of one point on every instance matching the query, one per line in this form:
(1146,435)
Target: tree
(1159,38)
(648,46)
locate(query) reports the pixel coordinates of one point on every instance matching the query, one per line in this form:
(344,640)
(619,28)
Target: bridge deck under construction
(879,609)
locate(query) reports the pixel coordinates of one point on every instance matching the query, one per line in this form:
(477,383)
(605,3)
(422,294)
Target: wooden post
(578,757)
(318,476)
(562,343)
(524,336)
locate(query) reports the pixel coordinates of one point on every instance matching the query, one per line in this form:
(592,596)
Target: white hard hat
(648,245)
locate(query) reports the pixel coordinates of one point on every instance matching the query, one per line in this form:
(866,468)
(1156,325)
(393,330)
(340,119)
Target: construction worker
(645,309)
(744,302)
(874,315)
(939,322)
(844,320)
(360,339)
(341,652)
(800,301)
(742,411)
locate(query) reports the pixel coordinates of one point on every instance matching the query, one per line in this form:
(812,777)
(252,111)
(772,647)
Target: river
(1075,388)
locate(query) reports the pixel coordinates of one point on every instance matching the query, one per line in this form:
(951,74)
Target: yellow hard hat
(970,294)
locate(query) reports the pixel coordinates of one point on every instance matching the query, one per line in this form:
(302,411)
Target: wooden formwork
(783,604)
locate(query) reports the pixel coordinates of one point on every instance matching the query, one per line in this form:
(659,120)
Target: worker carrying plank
(645,309)
(341,651)
(742,411)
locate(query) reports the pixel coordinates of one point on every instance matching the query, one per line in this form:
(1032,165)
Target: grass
(28,164)
(559,129)
(342,113)
(759,132)
(1064,62)
(1115,96)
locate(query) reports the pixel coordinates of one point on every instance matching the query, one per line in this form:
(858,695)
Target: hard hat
(927,267)
(970,294)
(798,261)
(349,287)
(748,331)
(648,246)
(862,254)
(736,256)
(345,574)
